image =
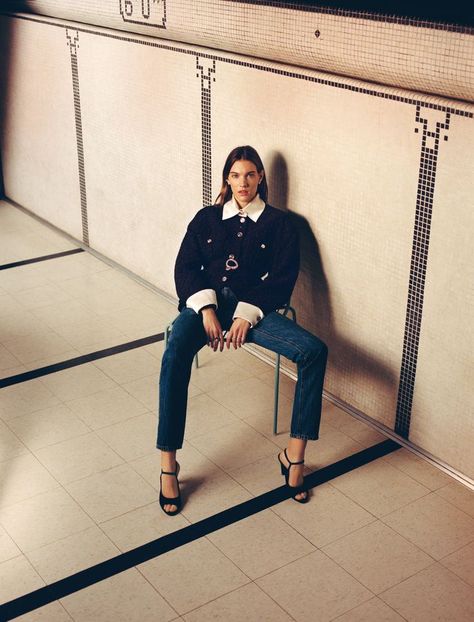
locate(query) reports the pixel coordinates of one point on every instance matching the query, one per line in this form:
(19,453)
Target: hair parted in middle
(246,152)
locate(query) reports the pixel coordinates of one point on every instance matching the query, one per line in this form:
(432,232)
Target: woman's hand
(237,333)
(212,326)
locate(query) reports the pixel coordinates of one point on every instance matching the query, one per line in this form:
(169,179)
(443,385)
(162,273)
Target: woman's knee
(317,349)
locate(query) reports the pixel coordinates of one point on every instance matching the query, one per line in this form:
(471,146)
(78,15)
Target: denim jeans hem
(167,448)
(304,437)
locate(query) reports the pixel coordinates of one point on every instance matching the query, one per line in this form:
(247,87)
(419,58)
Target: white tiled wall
(341,154)
(415,54)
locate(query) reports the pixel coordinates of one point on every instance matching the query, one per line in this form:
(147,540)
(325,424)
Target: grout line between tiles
(157,547)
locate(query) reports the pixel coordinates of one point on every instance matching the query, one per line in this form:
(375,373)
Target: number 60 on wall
(144,12)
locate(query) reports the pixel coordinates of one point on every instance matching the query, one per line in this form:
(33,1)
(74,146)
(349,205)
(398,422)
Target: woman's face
(244,179)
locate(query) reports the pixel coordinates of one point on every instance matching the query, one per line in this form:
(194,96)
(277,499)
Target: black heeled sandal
(167,500)
(286,472)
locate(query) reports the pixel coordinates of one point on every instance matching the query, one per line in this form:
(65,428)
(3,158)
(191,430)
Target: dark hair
(245,152)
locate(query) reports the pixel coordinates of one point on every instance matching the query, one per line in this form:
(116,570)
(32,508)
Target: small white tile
(204,574)
(8,549)
(142,525)
(449,528)
(78,457)
(377,556)
(64,314)
(104,408)
(260,543)
(312,584)
(111,493)
(245,398)
(53,514)
(432,594)
(128,366)
(40,346)
(420,470)
(18,577)
(145,390)
(22,477)
(379,487)
(234,445)
(11,444)
(48,426)
(205,495)
(7,361)
(54,612)
(9,305)
(126,597)
(459,495)
(248,603)
(42,295)
(373,610)
(72,554)
(205,415)
(462,563)
(328,515)
(132,438)
(79,381)
(216,370)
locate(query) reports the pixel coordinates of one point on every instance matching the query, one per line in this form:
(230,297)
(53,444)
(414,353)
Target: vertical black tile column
(430,144)
(72,37)
(206,67)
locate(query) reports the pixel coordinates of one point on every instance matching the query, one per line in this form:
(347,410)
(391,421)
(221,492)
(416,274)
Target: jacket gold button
(262,246)
(240,234)
(209,240)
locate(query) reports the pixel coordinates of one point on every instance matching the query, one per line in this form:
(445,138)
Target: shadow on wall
(312,287)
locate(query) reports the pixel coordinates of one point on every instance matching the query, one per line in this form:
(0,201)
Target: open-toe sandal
(167,500)
(286,472)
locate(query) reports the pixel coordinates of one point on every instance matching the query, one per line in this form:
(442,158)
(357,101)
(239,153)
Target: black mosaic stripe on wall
(206,68)
(430,143)
(72,37)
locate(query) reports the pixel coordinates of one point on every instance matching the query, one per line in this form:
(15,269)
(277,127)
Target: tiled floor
(392,540)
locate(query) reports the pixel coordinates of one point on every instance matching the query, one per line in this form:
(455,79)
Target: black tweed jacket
(266,251)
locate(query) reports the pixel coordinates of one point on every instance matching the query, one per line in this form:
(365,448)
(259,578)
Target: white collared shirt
(253,209)
(205,297)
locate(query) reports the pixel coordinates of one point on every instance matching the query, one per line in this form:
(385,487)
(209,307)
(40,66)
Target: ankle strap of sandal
(171,472)
(291,463)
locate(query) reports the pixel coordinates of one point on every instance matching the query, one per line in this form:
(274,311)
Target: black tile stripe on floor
(24,262)
(79,360)
(155,548)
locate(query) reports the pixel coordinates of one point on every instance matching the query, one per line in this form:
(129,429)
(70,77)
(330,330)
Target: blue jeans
(274,332)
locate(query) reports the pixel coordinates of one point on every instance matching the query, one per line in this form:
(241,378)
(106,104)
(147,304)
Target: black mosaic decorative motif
(72,37)
(430,143)
(206,69)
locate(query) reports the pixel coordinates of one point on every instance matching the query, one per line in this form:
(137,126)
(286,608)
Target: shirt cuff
(248,312)
(201,298)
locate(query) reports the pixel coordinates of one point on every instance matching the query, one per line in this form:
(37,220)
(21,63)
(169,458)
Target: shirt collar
(253,209)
